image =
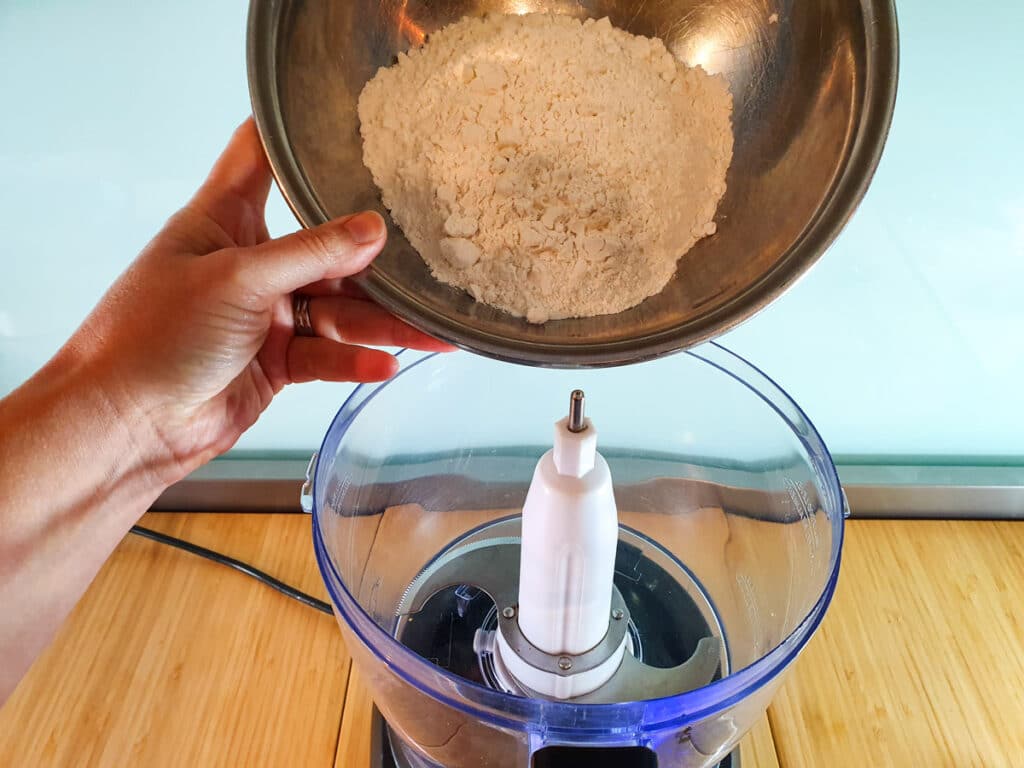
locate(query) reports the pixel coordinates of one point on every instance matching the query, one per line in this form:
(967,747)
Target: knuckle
(234,273)
(324,244)
(235,268)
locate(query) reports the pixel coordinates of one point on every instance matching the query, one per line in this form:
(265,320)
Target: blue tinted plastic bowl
(711,459)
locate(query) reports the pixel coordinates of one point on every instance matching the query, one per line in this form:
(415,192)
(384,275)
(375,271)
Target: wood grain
(758,747)
(354,739)
(174,660)
(920,659)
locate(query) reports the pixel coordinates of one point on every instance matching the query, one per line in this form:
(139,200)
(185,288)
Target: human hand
(198,335)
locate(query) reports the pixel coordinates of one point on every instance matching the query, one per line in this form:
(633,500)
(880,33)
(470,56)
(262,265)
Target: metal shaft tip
(576,400)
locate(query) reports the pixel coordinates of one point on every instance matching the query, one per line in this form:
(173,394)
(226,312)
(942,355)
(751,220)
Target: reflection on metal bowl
(813,82)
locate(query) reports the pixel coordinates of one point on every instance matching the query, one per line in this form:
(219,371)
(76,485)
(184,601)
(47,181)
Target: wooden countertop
(174,660)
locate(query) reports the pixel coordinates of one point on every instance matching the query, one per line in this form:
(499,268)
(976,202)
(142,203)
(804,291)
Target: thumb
(242,171)
(338,248)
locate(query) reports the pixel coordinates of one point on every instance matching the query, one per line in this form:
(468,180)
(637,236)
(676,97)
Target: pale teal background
(905,341)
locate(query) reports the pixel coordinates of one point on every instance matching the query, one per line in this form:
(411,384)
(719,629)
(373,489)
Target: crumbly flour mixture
(553,168)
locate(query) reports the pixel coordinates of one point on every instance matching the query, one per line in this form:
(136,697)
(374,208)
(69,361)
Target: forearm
(76,471)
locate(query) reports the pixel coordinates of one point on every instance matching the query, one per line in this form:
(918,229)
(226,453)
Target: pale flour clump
(553,168)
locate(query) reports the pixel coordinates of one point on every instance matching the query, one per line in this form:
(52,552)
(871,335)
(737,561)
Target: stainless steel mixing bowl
(813,84)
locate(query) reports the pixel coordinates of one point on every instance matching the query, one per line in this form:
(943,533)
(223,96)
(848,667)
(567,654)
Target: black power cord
(238,565)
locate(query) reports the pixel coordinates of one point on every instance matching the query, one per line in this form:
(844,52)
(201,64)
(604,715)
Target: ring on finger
(300,315)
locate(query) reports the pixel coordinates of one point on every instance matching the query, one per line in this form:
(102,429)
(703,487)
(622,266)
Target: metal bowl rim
(882,43)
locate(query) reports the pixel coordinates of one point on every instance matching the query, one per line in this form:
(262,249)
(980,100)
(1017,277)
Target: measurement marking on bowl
(372,600)
(746,585)
(807,511)
(338,497)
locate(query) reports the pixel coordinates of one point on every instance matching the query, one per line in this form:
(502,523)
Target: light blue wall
(906,339)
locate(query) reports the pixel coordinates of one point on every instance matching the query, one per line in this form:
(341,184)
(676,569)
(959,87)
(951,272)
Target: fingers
(312,359)
(336,286)
(241,172)
(363,322)
(336,249)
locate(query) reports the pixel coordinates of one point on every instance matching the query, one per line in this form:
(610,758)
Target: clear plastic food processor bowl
(730,530)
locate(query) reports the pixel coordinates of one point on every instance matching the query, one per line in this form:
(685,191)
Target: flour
(552,168)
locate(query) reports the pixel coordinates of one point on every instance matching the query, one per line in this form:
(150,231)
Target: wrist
(76,472)
(86,409)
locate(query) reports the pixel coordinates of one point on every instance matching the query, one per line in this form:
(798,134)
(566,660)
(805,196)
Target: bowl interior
(812,85)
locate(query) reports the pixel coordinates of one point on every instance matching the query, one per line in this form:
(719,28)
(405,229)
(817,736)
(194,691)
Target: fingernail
(366,227)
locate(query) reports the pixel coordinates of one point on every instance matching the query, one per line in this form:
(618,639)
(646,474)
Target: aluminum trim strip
(874,491)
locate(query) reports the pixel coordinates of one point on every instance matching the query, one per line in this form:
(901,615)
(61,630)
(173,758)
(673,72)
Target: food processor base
(387,751)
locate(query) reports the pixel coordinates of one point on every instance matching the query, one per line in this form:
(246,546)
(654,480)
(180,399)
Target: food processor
(559,568)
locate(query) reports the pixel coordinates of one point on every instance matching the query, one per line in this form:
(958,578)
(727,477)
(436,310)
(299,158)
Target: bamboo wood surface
(173,660)
(920,659)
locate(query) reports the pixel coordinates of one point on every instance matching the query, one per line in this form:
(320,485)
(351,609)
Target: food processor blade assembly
(562,624)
